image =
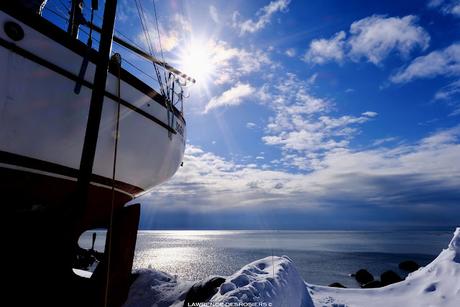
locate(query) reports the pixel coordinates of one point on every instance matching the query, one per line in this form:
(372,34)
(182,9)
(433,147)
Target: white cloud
(326,50)
(450,94)
(434,3)
(449,136)
(449,91)
(291,52)
(379,142)
(304,141)
(375,37)
(302,126)
(230,63)
(372,38)
(232,97)
(264,16)
(312,79)
(456,10)
(213,13)
(251,125)
(370,114)
(444,62)
(456,112)
(446,7)
(125,11)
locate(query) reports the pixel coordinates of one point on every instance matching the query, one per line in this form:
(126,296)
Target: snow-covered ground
(274,281)
(437,284)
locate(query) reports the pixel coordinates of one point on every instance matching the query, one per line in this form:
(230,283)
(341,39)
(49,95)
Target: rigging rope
(159,42)
(140,11)
(158,30)
(163,88)
(171,77)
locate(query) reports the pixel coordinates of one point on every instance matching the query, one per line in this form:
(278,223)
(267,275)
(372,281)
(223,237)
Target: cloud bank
(372,39)
(397,182)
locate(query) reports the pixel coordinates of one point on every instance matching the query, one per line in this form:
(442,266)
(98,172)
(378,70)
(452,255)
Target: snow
(154,288)
(437,284)
(274,281)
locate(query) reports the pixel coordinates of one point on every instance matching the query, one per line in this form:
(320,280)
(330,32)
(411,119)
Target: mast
(97,99)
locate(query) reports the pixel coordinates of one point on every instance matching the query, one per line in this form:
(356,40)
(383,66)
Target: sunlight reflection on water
(322,257)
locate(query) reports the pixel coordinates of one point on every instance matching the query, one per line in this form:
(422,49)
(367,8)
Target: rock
(372,284)
(202,291)
(363,277)
(337,285)
(227,287)
(409,266)
(389,277)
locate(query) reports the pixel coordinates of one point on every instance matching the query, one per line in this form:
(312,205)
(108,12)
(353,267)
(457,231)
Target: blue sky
(311,114)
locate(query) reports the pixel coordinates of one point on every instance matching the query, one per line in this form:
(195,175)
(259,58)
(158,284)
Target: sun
(196,61)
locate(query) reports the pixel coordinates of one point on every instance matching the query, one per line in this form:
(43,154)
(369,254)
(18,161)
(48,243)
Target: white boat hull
(43,119)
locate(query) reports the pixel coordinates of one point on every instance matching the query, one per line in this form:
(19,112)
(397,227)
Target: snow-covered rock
(272,281)
(455,243)
(154,288)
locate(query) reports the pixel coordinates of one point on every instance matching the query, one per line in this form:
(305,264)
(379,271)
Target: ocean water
(322,257)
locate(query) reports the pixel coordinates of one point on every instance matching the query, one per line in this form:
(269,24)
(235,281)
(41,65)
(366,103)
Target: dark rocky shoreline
(366,280)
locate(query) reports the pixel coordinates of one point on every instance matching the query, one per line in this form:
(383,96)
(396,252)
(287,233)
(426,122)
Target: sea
(321,257)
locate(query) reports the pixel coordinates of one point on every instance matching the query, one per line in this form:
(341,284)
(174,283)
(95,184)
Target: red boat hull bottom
(42,235)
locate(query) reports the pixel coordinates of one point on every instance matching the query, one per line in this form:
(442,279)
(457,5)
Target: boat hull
(43,119)
(43,122)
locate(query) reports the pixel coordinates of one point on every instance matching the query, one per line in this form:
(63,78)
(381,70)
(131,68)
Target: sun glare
(195,61)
